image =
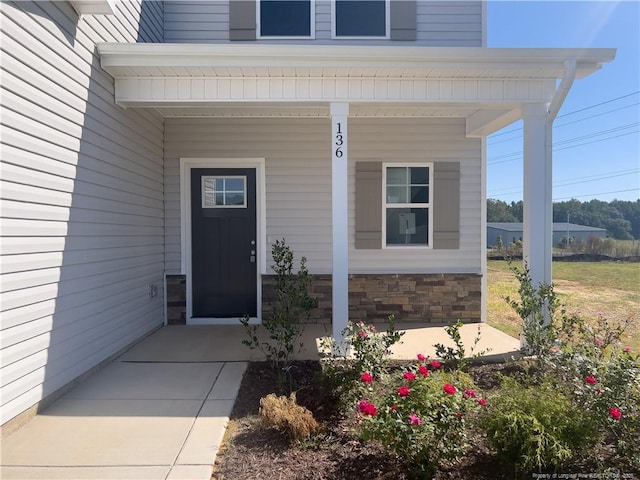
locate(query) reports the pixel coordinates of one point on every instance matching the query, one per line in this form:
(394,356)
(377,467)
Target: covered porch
(484,89)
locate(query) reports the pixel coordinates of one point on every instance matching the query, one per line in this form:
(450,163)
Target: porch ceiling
(488,86)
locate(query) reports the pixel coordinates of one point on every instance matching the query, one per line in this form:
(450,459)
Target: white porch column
(538,206)
(339,219)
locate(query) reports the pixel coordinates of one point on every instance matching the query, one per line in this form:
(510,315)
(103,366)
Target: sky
(596,135)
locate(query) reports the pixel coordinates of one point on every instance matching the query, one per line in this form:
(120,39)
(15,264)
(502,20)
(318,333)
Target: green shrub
(457,357)
(537,427)
(290,311)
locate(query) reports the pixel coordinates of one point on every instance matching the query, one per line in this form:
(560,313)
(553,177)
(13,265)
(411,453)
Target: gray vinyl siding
(298,177)
(419,140)
(82,199)
(439,23)
(298,182)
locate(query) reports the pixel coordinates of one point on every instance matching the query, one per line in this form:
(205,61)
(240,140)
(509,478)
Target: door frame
(186,164)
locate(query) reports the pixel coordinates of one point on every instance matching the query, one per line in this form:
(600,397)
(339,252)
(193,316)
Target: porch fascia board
(122,59)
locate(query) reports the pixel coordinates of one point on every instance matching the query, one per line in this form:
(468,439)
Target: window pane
(219,198)
(219,182)
(407,226)
(234,184)
(396,194)
(361,18)
(419,194)
(285,18)
(419,175)
(234,199)
(396,175)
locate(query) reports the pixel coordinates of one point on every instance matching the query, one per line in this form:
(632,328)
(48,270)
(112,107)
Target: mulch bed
(252,452)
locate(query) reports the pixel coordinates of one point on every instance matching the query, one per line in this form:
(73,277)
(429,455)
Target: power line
(518,137)
(598,104)
(577,196)
(594,194)
(572,113)
(564,183)
(596,178)
(596,141)
(597,134)
(519,153)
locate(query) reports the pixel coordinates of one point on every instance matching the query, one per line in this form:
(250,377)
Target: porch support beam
(340,220)
(538,206)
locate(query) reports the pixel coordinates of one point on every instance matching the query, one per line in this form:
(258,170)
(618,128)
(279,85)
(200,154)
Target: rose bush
(420,414)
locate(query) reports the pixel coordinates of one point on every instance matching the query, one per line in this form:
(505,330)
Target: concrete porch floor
(159,411)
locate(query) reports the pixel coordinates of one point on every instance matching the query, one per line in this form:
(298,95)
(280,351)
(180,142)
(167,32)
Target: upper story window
(285,18)
(361,18)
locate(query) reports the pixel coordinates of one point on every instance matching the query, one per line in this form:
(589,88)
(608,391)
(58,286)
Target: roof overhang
(487,86)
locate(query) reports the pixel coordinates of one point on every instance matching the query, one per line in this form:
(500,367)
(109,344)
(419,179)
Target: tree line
(620,218)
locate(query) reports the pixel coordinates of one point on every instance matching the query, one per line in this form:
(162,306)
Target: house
(511,232)
(153,151)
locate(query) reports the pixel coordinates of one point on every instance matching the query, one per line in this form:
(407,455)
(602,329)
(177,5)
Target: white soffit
(191,80)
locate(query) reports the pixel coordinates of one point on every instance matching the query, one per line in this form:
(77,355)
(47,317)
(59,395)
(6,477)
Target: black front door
(223,242)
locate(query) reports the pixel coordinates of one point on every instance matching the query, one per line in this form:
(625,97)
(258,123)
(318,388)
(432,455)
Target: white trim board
(186,164)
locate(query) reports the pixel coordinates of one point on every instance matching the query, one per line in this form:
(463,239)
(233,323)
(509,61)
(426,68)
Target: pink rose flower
(421,357)
(404,391)
(414,419)
(366,377)
(394,408)
(598,391)
(409,376)
(422,370)
(590,379)
(599,342)
(449,389)
(470,393)
(362,334)
(482,401)
(615,413)
(435,364)
(627,349)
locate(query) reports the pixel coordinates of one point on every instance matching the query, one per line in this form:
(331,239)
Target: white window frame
(226,177)
(312,26)
(428,206)
(387,35)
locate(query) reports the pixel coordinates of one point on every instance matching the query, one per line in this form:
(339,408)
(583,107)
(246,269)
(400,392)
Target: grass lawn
(612,288)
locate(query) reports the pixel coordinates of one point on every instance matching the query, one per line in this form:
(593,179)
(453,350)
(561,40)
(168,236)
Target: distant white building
(511,232)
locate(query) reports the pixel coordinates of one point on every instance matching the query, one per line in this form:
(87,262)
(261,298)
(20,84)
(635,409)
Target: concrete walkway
(159,411)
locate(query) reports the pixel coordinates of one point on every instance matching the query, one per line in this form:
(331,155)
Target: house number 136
(339,141)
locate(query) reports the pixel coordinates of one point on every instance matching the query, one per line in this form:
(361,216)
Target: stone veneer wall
(412,298)
(176,299)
